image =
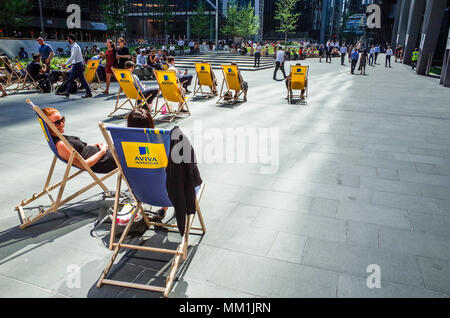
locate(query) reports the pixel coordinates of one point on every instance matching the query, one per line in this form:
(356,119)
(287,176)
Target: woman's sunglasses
(58,122)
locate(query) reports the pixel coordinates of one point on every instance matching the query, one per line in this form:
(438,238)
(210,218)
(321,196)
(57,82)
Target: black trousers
(280,66)
(343,55)
(77,72)
(181,50)
(376,57)
(328,56)
(257,58)
(354,62)
(388,59)
(187,79)
(371,56)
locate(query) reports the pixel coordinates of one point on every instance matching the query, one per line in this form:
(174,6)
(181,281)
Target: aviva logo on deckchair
(144,155)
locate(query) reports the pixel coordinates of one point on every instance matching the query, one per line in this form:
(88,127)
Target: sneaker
(87,96)
(158,216)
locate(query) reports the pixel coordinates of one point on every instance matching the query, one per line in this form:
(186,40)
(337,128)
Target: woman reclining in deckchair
(98,156)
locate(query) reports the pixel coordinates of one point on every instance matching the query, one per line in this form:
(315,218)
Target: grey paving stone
(362,234)
(405,202)
(356,287)
(434,224)
(444,206)
(415,243)
(348,180)
(424,178)
(390,186)
(302,224)
(434,191)
(387,174)
(354,260)
(419,158)
(244,272)
(373,214)
(288,247)
(324,207)
(194,289)
(13,288)
(426,168)
(436,274)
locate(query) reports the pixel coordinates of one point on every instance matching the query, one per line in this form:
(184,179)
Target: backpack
(44,85)
(63,88)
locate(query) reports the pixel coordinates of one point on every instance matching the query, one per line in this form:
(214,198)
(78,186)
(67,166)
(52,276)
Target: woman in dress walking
(111,61)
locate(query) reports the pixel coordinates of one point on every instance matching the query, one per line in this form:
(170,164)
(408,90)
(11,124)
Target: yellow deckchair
(233,81)
(298,81)
(172,91)
(131,90)
(204,78)
(90,74)
(48,126)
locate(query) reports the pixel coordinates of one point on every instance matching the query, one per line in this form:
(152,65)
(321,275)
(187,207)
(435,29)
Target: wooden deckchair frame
(12,76)
(199,88)
(291,94)
(225,81)
(23,81)
(180,252)
(181,103)
(56,204)
(94,85)
(128,100)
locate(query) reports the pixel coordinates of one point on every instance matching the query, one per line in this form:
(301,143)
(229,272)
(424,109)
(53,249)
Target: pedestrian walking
(377,51)
(371,55)
(321,52)
(76,58)
(344,52)
(280,58)
(363,62)
(257,54)
(181,46)
(328,49)
(354,60)
(388,56)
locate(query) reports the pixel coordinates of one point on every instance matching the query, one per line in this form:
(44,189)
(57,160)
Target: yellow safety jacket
(415,56)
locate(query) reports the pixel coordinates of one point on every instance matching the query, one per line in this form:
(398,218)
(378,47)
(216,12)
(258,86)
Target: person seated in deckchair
(2,89)
(36,70)
(141,118)
(244,85)
(98,156)
(214,80)
(146,91)
(288,79)
(184,78)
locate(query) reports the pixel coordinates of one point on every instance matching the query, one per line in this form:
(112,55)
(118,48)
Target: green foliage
(285,15)
(248,23)
(114,13)
(13,13)
(200,21)
(241,21)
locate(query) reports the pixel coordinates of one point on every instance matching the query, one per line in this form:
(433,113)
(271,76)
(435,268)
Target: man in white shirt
(257,54)
(76,58)
(141,59)
(137,83)
(172,49)
(181,46)
(191,46)
(371,55)
(388,56)
(280,58)
(184,78)
(343,52)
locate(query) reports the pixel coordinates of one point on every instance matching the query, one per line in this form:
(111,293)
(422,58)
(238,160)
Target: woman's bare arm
(64,152)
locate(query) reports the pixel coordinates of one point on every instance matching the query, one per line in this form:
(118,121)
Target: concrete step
(216,59)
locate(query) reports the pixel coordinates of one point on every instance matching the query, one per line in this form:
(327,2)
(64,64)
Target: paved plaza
(362,177)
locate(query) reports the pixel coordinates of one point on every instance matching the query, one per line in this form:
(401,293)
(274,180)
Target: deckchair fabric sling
(172,92)
(12,76)
(142,156)
(47,126)
(298,81)
(231,81)
(131,90)
(204,78)
(90,74)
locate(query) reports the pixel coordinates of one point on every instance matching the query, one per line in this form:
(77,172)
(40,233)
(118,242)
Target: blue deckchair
(46,126)
(141,156)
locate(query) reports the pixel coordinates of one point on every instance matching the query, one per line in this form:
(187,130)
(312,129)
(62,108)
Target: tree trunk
(285,41)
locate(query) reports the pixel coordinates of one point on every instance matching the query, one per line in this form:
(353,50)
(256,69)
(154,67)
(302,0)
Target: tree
(288,20)
(231,25)
(13,13)
(115,13)
(200,21)
(248,23)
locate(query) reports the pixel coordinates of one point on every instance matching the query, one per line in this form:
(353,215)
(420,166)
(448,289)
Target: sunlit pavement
(358,176)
